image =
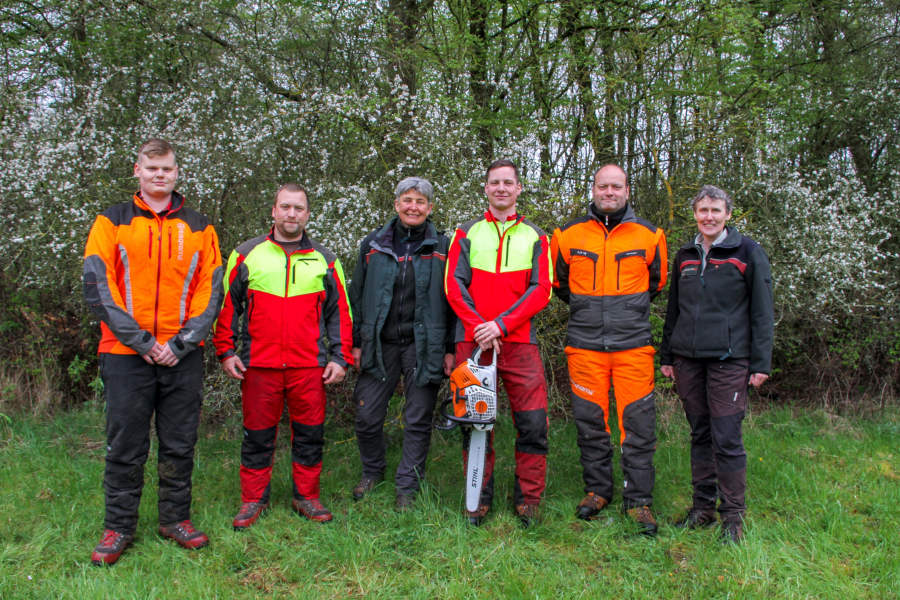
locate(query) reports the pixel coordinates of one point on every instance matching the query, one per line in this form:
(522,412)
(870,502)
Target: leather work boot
(185,534)
(590,506)
(312,509)
(248,514)
(732,532)
(644,517)
(404,502)
(110,548)
(477,517)
(697,518)
(366,484)
(528,514)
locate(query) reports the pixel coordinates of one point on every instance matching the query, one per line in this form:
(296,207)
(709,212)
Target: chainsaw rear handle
(476,355)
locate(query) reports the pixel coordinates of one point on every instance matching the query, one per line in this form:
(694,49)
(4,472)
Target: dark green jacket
(371,294)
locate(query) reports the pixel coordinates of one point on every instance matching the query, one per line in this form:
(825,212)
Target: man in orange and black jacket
(153,276)
(608,265)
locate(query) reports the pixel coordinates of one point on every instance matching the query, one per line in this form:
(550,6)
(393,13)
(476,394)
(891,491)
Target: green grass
(823,522)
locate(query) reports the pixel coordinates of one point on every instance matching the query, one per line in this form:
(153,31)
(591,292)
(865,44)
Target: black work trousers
(372,396)
(714,396)
(135,390)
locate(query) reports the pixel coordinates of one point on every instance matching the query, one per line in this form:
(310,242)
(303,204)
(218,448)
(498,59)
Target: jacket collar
(384,239)
(305,242)
(628,217)
(732,240)
(176,204)
(489,216)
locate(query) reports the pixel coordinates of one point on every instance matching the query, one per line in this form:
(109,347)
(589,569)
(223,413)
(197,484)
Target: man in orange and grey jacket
(498,277)
(284,332)
(608,266)
(153,276)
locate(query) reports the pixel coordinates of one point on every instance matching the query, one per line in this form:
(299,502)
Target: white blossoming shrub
(834,253)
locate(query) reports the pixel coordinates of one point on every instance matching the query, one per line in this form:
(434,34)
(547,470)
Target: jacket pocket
(367,346)
(432,360)
(631,268)
(583,268)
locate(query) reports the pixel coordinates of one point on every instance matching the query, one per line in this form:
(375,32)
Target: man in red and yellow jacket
(286,306)
(498,277)
(608,265)
(153,276)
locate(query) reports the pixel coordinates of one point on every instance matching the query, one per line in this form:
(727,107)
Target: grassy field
(823,522)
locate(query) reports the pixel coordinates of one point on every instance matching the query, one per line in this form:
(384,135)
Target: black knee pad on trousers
(639,421)
(258,447)
(532,428)
(306,448)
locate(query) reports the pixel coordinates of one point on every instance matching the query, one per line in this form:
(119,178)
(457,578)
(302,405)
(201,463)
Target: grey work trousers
(372,396)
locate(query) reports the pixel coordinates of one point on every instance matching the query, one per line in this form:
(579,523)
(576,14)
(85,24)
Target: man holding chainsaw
(608,266)
(402,325)
(498,278)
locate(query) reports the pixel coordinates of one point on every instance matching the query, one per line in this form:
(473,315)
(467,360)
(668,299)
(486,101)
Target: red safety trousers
(520,368)
(264,393)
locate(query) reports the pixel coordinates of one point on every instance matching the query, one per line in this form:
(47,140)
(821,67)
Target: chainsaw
(473,393)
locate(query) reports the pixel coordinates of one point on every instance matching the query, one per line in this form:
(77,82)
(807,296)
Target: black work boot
(366,484)
(697,518)
(732,531)
(404,501)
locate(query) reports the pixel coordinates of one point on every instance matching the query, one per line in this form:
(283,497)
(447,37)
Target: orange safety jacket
(152,277)
(608,278)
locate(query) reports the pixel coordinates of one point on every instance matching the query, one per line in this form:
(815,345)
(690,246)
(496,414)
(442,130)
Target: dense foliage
(792,105)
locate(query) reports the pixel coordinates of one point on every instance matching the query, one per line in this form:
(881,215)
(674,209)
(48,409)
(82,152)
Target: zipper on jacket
(403,268)
(287,286)
(169,231)
(158,275)
(501,236)
(704,258)
(506,258)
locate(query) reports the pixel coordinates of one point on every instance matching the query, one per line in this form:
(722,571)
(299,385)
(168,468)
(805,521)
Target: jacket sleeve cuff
(145,345)
(502,326)
(337,358)
(179,347)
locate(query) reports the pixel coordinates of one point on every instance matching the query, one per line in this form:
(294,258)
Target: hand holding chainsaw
(487,335)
